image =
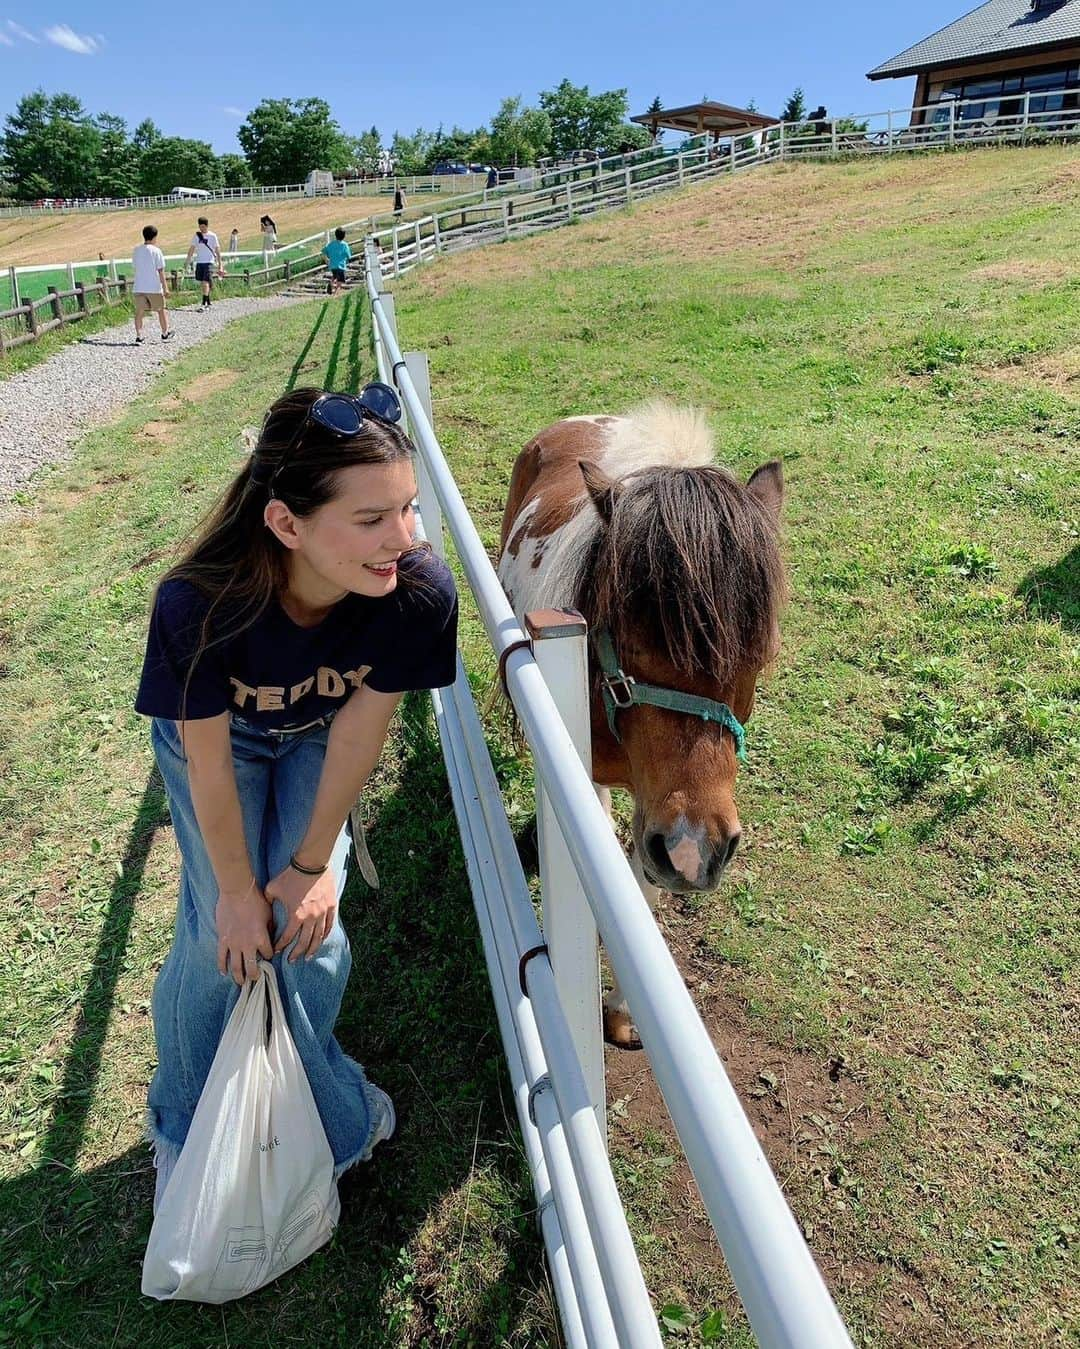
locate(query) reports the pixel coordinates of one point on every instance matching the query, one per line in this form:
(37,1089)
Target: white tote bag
(253,1191)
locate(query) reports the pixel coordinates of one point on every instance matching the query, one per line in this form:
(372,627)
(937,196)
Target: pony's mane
(691,564)
(657,433)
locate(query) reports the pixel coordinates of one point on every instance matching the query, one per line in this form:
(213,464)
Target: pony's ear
(767,484)
(604,491)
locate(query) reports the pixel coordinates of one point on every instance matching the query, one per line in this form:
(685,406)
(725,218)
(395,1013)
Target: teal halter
(621,691)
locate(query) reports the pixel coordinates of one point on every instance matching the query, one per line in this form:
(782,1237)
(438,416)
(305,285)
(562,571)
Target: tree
(453,146)
(411,154)
(144,135)
(283,139)
(118,163)
(794,108)
(519,135)
(584,121)
(655,106)
(172,161)
(50,146)
(368,151)
(235,171)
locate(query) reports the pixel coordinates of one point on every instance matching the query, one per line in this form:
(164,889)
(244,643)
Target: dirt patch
(808,1111)
(162,432)
(205,386)
(1060,372)
(1033,271)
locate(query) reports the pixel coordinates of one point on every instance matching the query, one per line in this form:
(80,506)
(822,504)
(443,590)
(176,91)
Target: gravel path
(97,376)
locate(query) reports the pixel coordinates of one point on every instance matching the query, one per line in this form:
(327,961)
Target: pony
(676,567)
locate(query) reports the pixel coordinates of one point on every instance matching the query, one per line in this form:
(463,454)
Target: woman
(279,648)
(269,234)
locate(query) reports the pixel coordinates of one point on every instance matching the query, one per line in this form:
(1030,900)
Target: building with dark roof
(1004,55)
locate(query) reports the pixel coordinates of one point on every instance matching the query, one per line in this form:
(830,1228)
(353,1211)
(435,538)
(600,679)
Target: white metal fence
(542,989)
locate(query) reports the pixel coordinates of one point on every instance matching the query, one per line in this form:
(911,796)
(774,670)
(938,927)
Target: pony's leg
(619,1029)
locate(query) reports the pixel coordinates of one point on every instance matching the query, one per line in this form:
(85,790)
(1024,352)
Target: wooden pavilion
(706,118)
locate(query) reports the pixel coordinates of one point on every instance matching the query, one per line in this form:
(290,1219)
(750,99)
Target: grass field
(891,972)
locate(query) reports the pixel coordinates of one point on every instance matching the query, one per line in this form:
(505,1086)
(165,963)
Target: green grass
(897,946)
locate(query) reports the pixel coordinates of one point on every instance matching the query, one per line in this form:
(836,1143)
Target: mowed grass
(900,928)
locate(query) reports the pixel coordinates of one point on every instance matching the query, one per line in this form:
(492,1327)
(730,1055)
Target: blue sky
(197,70)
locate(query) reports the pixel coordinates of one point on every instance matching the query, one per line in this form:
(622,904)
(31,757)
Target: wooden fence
(30,321)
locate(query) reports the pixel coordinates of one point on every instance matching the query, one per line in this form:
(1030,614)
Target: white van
(189,194)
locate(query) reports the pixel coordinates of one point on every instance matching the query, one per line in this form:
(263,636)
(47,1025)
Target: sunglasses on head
(342,415)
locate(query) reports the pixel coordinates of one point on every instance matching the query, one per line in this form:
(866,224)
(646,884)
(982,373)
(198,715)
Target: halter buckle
(620,688)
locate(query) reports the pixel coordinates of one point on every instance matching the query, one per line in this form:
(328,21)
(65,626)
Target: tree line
(51,146)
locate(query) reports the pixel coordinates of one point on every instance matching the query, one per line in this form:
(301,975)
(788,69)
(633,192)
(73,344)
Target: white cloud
(233,112)
(62,36)
(20,31)
(5,41)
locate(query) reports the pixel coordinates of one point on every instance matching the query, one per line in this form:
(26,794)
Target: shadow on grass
(294,373)
(437,1242)
(1054,592)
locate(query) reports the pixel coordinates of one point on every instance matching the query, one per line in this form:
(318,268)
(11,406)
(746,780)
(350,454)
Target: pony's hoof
(620,1031)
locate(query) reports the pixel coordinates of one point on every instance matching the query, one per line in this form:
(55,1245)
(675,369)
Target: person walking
(234,241)
(279,648)
(149,283)
(269,234)
(338,255)
(399,202)
(206,251)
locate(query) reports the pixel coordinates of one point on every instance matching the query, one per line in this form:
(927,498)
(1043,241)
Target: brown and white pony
(628,520)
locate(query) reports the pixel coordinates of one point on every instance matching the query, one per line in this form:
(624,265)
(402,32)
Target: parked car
(446,167)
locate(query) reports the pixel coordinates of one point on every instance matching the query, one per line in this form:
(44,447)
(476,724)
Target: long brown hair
(233,558)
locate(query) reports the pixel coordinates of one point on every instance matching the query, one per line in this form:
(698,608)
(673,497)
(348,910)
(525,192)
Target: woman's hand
(310,908)
(243,920)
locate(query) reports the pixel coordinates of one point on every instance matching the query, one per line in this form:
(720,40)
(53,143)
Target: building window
(984,97)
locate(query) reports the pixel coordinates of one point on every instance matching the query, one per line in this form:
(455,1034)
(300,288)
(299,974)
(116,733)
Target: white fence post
(1027,117)
(560,646)
(679,162)
(782,124)
(629,188)
(437,233)
(416,363)
(569,200)
(506,218)
(71,275)
(16,299)
(952,122)
(397,259)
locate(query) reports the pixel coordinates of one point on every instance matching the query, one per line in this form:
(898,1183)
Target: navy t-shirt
(278,674)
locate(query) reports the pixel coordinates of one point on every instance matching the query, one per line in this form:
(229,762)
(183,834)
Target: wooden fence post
(288,269)
(31,318)
(80,296)
(174,280)
(247,278)
(57,308)
(121,281)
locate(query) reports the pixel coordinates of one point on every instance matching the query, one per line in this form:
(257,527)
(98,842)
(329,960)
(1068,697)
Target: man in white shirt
(206,251)
(149,283)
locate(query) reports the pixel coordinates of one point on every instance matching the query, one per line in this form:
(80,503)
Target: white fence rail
(595,1272)
(345,187)
(571,193)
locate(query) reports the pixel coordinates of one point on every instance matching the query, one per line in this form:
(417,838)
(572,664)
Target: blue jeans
(277,778)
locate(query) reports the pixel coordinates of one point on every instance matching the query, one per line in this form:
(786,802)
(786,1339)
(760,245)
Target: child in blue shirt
(338,255)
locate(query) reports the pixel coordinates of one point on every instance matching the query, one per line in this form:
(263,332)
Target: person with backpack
(206,252)
(279,648)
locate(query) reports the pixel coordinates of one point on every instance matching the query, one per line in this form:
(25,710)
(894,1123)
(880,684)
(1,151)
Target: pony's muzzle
(685,859)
